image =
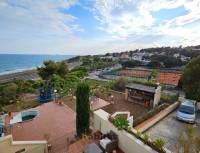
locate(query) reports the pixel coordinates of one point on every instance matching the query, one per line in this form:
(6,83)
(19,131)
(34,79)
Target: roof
(141,87)
(54,120)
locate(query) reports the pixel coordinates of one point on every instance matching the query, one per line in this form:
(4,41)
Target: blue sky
(96,26)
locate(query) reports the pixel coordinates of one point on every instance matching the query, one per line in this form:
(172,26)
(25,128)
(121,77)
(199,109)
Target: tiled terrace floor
(57,121)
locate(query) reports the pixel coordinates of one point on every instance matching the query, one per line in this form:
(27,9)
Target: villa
(52,123)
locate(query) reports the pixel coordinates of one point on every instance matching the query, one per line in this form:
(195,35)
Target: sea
(11,63)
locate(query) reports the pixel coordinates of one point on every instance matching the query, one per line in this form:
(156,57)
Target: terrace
(55,123)
(119,104)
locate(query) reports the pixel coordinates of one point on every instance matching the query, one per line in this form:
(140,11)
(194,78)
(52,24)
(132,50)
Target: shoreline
(30,74)
(27,74)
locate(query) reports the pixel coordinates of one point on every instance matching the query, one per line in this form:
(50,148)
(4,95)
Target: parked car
(187,112)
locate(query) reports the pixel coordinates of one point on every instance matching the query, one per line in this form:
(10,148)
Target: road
(169,129)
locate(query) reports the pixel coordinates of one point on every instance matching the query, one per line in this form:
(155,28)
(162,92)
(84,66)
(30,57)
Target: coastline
(27,74)
(30,74)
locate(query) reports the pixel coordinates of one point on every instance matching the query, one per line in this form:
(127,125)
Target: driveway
(169,129)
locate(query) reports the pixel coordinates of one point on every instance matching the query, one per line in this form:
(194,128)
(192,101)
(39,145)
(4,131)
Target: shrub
(121,122)
(149,114)
(119,84)
(159,143)
(146,137)
(168,98)
(145,82)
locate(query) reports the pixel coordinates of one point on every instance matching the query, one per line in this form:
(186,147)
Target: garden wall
(127,142)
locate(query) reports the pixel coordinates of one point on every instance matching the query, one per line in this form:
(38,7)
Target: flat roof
(141,87)
(56,121)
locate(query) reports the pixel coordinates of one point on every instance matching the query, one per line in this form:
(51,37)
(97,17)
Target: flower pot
(10,114)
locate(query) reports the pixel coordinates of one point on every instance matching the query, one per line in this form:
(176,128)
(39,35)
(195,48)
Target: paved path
(170,129)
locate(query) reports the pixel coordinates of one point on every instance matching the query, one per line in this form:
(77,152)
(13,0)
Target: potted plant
(9,114)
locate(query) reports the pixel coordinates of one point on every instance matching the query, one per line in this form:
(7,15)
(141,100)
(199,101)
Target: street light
(55,91)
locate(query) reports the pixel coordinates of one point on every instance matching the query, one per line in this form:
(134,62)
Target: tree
(82,108)
(62,68)
(50,67)
(119,84)
(130,63)
(8,92)
(153,74)
(191,79)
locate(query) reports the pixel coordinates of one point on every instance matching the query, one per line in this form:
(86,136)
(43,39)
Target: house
(50,124)
(147,96)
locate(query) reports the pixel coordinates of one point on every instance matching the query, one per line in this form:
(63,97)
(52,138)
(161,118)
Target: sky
(79,27)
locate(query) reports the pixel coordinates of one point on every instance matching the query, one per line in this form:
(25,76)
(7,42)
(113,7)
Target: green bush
(168,98)
(119,84)
(145,82)
(159,143)
(120,122)
(149,114)
(146,137)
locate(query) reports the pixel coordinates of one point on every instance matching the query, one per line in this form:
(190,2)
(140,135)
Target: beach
(28,74)
(24,75)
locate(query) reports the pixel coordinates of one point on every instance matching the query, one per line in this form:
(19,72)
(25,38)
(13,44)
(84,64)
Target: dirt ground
(120,104)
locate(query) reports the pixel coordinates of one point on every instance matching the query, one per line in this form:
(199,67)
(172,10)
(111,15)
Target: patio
(79,146)
(55,122)
(120,104)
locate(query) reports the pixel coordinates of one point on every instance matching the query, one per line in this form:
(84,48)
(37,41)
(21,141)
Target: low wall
(153,120)
(127,142)
(7,145)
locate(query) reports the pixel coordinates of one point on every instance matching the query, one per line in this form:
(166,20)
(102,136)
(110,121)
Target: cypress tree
(82,108)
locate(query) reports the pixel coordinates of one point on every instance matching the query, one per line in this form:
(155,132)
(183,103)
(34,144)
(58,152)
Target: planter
(9,114)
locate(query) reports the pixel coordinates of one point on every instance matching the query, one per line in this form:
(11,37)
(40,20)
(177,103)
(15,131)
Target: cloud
(130,18)
(41,26)
(37,16)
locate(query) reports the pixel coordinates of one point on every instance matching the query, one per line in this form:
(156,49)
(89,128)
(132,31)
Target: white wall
(127,142)
(7,145)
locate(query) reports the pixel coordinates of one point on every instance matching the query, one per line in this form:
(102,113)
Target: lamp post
(55,92)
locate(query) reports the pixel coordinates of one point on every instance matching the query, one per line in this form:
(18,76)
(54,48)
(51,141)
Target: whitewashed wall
(127,142)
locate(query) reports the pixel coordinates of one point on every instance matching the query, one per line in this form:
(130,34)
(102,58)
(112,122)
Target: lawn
(20,106)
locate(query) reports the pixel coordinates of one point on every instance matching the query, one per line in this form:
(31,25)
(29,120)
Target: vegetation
(151,83)
(119,84)
(21,105)
(168,98)
(50,68)
(165,61)
(82,108)
(10,92)
(95,62)
(120,122)
(130,63)
(191,79)
(149,114)
(188,141)
(153,74)
(159,143)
